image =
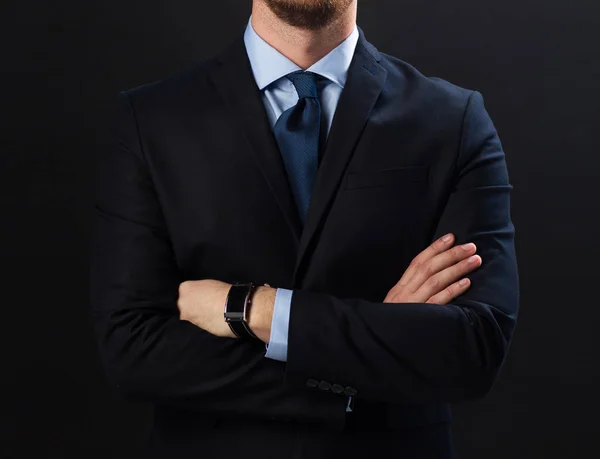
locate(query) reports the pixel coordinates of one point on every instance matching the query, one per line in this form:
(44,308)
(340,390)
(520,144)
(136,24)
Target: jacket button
(350,390)
(312,382)
(337,388)
(324,385)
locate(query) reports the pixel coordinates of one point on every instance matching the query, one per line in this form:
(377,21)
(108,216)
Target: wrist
(261,312)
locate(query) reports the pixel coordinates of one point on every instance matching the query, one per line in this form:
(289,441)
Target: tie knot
(304,82)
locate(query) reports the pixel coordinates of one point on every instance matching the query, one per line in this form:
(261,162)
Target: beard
(308,14)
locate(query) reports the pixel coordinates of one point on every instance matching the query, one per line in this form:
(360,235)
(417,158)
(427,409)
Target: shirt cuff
(277,345)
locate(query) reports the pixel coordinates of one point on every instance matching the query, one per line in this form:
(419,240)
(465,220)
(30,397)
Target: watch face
(236,301)
(231,316)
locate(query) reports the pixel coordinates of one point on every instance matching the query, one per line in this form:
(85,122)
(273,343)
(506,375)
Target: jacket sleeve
(420,352)
(148,353)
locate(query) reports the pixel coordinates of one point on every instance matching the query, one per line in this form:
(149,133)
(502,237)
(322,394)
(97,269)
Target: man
(330,198)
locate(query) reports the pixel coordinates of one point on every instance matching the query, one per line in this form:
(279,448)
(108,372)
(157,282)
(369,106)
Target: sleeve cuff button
(337,388)
(312,382)
(324,385)
(350,391)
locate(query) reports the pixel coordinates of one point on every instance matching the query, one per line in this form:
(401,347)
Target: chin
(308,14)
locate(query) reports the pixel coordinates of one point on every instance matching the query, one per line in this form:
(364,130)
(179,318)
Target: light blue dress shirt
(269,67)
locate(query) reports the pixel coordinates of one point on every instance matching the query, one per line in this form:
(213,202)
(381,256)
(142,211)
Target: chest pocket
(406,175)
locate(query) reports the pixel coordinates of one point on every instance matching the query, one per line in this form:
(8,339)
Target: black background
(536,64)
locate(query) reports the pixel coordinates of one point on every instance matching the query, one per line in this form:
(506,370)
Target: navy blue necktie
(297,134)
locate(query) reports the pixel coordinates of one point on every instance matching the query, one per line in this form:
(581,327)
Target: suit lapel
(235,82)
(363,85)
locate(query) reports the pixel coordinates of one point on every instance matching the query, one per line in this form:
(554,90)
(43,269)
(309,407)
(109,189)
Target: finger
(438,263)
(450,292)
(443,279)
(439,246)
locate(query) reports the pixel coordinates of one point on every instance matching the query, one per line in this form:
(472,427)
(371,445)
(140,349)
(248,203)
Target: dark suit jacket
(194,187)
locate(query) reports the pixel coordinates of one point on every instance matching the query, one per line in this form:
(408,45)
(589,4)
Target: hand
(202,302)
(435,274)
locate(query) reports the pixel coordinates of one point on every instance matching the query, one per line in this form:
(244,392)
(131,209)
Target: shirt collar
(268,64)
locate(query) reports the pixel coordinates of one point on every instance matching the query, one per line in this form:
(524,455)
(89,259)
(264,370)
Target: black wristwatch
(237,307)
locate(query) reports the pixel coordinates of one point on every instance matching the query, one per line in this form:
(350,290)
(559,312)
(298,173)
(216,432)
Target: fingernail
(447,238)
(468,246)
(464,282)
(472,259)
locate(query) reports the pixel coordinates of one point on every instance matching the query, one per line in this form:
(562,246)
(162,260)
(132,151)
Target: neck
(303,47)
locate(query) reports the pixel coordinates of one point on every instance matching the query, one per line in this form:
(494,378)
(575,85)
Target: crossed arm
(410,352)
(435,277)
